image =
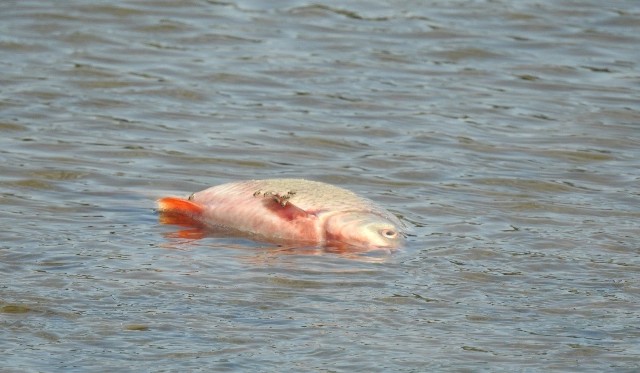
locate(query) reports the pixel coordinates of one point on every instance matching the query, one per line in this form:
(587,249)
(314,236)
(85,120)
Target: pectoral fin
(280,205)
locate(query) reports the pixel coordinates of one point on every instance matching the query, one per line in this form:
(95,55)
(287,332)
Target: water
(506,134)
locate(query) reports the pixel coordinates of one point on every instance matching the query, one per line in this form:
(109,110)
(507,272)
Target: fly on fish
(289,210)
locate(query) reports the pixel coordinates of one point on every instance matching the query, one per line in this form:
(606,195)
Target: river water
(506,135)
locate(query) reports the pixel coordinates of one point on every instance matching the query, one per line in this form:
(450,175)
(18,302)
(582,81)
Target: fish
(293,211)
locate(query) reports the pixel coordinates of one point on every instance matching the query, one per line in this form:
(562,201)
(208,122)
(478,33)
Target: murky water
(506,134)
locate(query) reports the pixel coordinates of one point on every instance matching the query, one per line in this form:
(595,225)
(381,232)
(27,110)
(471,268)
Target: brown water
(506,134)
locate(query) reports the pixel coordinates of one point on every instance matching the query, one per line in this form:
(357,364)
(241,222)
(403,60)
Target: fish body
(293,210)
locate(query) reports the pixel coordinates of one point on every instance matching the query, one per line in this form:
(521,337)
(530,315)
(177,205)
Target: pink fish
(289,210)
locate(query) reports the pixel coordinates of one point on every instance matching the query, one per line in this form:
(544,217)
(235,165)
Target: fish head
(364,230)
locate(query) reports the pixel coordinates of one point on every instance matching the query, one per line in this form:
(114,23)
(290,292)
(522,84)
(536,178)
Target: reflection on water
(505,133)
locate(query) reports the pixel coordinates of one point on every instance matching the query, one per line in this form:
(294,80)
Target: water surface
(505,134)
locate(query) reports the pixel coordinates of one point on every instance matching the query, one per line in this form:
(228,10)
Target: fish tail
(175,205)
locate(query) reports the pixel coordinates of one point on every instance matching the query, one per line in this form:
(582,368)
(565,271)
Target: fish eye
(389,233)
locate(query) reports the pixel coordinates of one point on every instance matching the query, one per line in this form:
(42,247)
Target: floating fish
(289,211)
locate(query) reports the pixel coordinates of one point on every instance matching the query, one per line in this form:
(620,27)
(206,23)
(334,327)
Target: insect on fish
(291,210)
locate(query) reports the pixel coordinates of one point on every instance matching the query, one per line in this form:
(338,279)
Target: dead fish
(290,210)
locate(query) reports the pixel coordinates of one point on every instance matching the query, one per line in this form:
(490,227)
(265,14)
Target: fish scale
(309,195)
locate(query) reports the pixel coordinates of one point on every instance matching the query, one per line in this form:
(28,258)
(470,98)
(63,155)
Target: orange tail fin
(175,205)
